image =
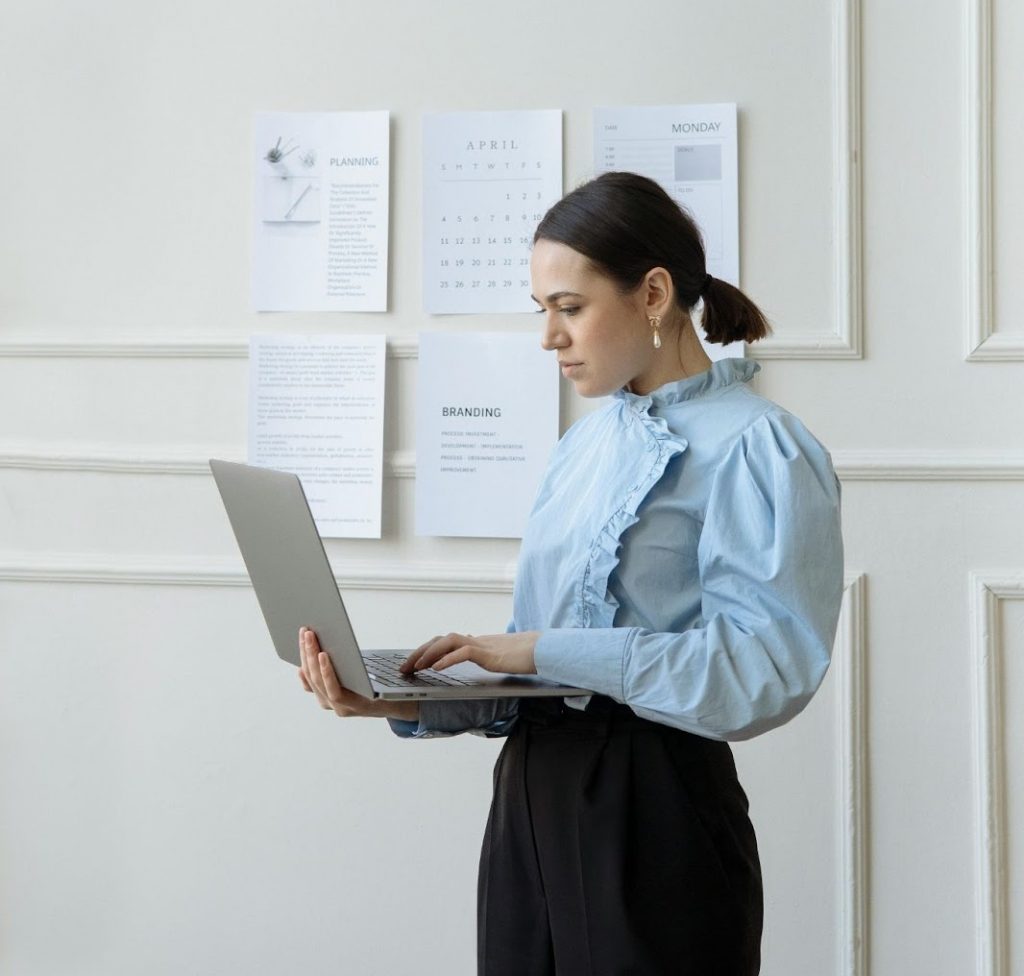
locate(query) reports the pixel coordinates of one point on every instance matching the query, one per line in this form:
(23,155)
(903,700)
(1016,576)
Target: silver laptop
(295,586)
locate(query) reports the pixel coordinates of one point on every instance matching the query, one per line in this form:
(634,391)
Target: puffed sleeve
(770,559)
(488,717)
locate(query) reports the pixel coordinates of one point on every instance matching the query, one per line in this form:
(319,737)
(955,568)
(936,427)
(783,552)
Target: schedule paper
(320,211)
(691,151)
(316,408)
(488,178)
(486,423)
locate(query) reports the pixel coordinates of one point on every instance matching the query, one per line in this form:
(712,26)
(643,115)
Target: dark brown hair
(626,224)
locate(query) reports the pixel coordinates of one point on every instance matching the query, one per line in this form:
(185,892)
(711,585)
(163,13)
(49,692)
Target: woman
(683,559)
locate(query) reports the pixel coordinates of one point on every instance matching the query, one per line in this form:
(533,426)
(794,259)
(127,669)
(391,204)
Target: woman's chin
(590,393)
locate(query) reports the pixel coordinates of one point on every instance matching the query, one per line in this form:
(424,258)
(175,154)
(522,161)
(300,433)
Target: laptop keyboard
(385,668)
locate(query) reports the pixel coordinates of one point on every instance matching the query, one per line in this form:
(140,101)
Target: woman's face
(602,339)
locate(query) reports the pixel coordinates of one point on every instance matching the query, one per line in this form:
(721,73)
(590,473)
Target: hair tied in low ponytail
(625,224)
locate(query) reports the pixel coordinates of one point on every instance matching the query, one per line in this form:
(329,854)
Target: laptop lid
(295,586)
(288,566)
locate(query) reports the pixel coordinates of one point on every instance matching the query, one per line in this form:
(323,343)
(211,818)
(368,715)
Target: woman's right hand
(319,677)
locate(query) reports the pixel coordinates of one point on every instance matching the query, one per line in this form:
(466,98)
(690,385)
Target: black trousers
(616,846)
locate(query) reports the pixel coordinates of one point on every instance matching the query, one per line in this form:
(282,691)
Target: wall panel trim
(987,589)
(888,465)
(126,570)
(982,340)
(922,465)
(120,459)
(846,342)
(130,346)
(853,749)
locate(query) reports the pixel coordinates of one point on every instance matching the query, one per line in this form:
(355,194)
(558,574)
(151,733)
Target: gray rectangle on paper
(698,163)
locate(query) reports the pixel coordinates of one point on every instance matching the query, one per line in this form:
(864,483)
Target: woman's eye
(568,310)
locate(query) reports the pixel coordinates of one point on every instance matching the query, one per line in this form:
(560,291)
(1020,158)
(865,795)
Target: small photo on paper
(695,163)
(319,211)
(290,199)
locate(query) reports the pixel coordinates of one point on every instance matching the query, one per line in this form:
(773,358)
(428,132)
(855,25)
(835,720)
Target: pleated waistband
(599,712)
(604,716)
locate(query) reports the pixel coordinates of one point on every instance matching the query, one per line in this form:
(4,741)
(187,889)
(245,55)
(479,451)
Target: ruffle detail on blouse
(722,373)
(597,604)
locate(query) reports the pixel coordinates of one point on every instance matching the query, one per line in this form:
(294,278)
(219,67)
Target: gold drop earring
(655,321)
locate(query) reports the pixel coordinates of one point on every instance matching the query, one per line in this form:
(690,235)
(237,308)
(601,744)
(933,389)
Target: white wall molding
(23,567)
(850,663)
(846,342)
(810,345)
(987,589)
(928,465)
(982,340)
(120,459)
(989,346)
(114,458)
(130,346)
(850,465)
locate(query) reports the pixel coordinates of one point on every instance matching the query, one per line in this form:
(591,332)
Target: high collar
(722,373)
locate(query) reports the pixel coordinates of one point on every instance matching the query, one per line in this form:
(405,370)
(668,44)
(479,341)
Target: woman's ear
(658,292)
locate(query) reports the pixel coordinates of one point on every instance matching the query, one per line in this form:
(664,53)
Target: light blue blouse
(684,555)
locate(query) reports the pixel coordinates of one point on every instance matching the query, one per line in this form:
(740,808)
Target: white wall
(171,801)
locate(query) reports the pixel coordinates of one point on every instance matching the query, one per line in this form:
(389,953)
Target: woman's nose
(552,337)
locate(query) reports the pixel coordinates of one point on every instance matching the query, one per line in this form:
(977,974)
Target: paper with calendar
(320,206)
(486,424)
(316,408)
(488,178)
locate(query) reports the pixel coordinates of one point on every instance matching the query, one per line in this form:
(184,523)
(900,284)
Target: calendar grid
(489,177)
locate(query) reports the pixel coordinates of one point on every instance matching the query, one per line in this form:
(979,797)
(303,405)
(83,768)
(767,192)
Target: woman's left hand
(511,653)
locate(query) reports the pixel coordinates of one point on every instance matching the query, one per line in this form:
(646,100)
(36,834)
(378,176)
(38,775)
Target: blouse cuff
(586,657)
(489,717)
